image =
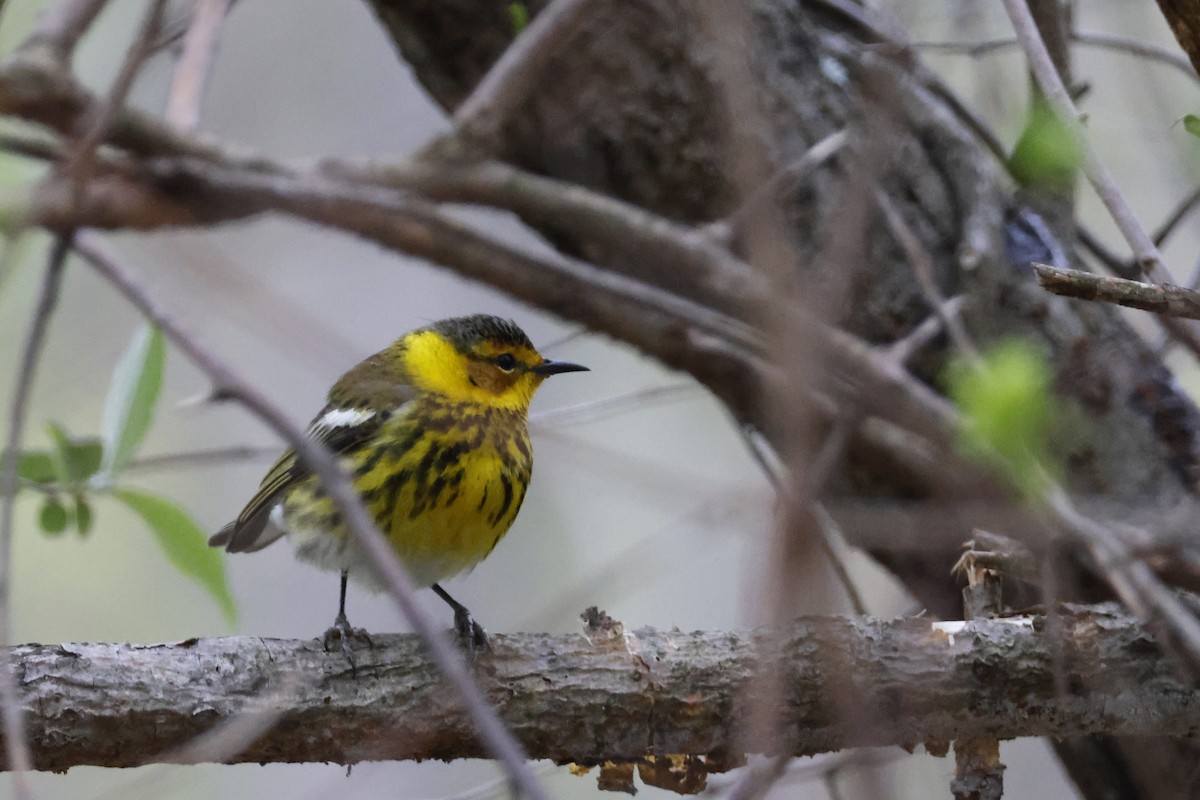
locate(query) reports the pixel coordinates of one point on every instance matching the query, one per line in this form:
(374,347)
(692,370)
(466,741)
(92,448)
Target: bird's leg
(470,633)
(342,630)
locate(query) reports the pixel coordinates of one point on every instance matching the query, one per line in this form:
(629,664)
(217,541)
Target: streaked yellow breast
(444,482)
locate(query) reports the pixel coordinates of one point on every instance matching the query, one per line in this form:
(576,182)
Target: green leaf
(57,454)
(1191,124)
(74,460)
(54,516)
(1047,153)
(83,516)
(1010,412)
(37,466)
(184,544)
(86,457)
(518,17)
(131,397)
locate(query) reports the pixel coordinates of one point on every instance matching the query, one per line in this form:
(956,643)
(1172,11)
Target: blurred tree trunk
(689,108)
(1184,18)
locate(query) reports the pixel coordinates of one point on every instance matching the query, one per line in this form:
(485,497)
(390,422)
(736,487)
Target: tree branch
(607,695)
(1160,298)
(195,64)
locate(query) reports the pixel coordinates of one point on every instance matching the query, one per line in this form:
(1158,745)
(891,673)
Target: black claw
(343,632)
(471,634)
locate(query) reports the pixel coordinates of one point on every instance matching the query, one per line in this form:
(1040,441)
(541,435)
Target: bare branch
(60,27)
(43,93)
(664,692)
(1135,47)
(620,235)
(195,64)
(922,266)
(95,125)
(1132,579)
(766,197)
(1175,301)
(1185,207)
(1105,41)
(202,458)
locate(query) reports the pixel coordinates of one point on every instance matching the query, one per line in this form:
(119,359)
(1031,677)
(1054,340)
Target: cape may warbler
(432,430)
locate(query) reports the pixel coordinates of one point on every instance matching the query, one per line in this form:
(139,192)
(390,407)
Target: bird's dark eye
(506,362)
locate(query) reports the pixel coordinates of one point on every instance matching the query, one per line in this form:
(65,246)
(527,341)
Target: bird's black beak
(554,367)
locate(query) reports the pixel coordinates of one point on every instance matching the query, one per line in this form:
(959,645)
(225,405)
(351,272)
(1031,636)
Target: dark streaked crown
(467,332)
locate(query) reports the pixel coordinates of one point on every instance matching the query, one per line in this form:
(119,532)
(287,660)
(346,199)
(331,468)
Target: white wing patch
(343,418)
(275,520)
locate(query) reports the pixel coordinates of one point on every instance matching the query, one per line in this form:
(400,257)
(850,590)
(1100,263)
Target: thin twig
(1165,299)
(781,184)
(499,787)
(830,536)
(1106,41)
(201,458)
(1165,341)
(1131,578)
(195,64)
(972,49)
(337,486)
(60,27)
(903,349)
(478,119)
(598,409)
(803,770)
(1053,20)
(97,124)
(1101,252)
(1185,207)
(1136,47)
(922,266)
(16,746)
(29,147)
(757,780)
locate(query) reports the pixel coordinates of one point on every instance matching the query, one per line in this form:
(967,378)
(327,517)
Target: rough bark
(609,695)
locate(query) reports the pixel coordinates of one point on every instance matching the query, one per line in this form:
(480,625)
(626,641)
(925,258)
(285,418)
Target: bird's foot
(344,633)
(471,634)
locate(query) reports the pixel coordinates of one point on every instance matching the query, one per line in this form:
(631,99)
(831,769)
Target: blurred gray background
(656,514)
